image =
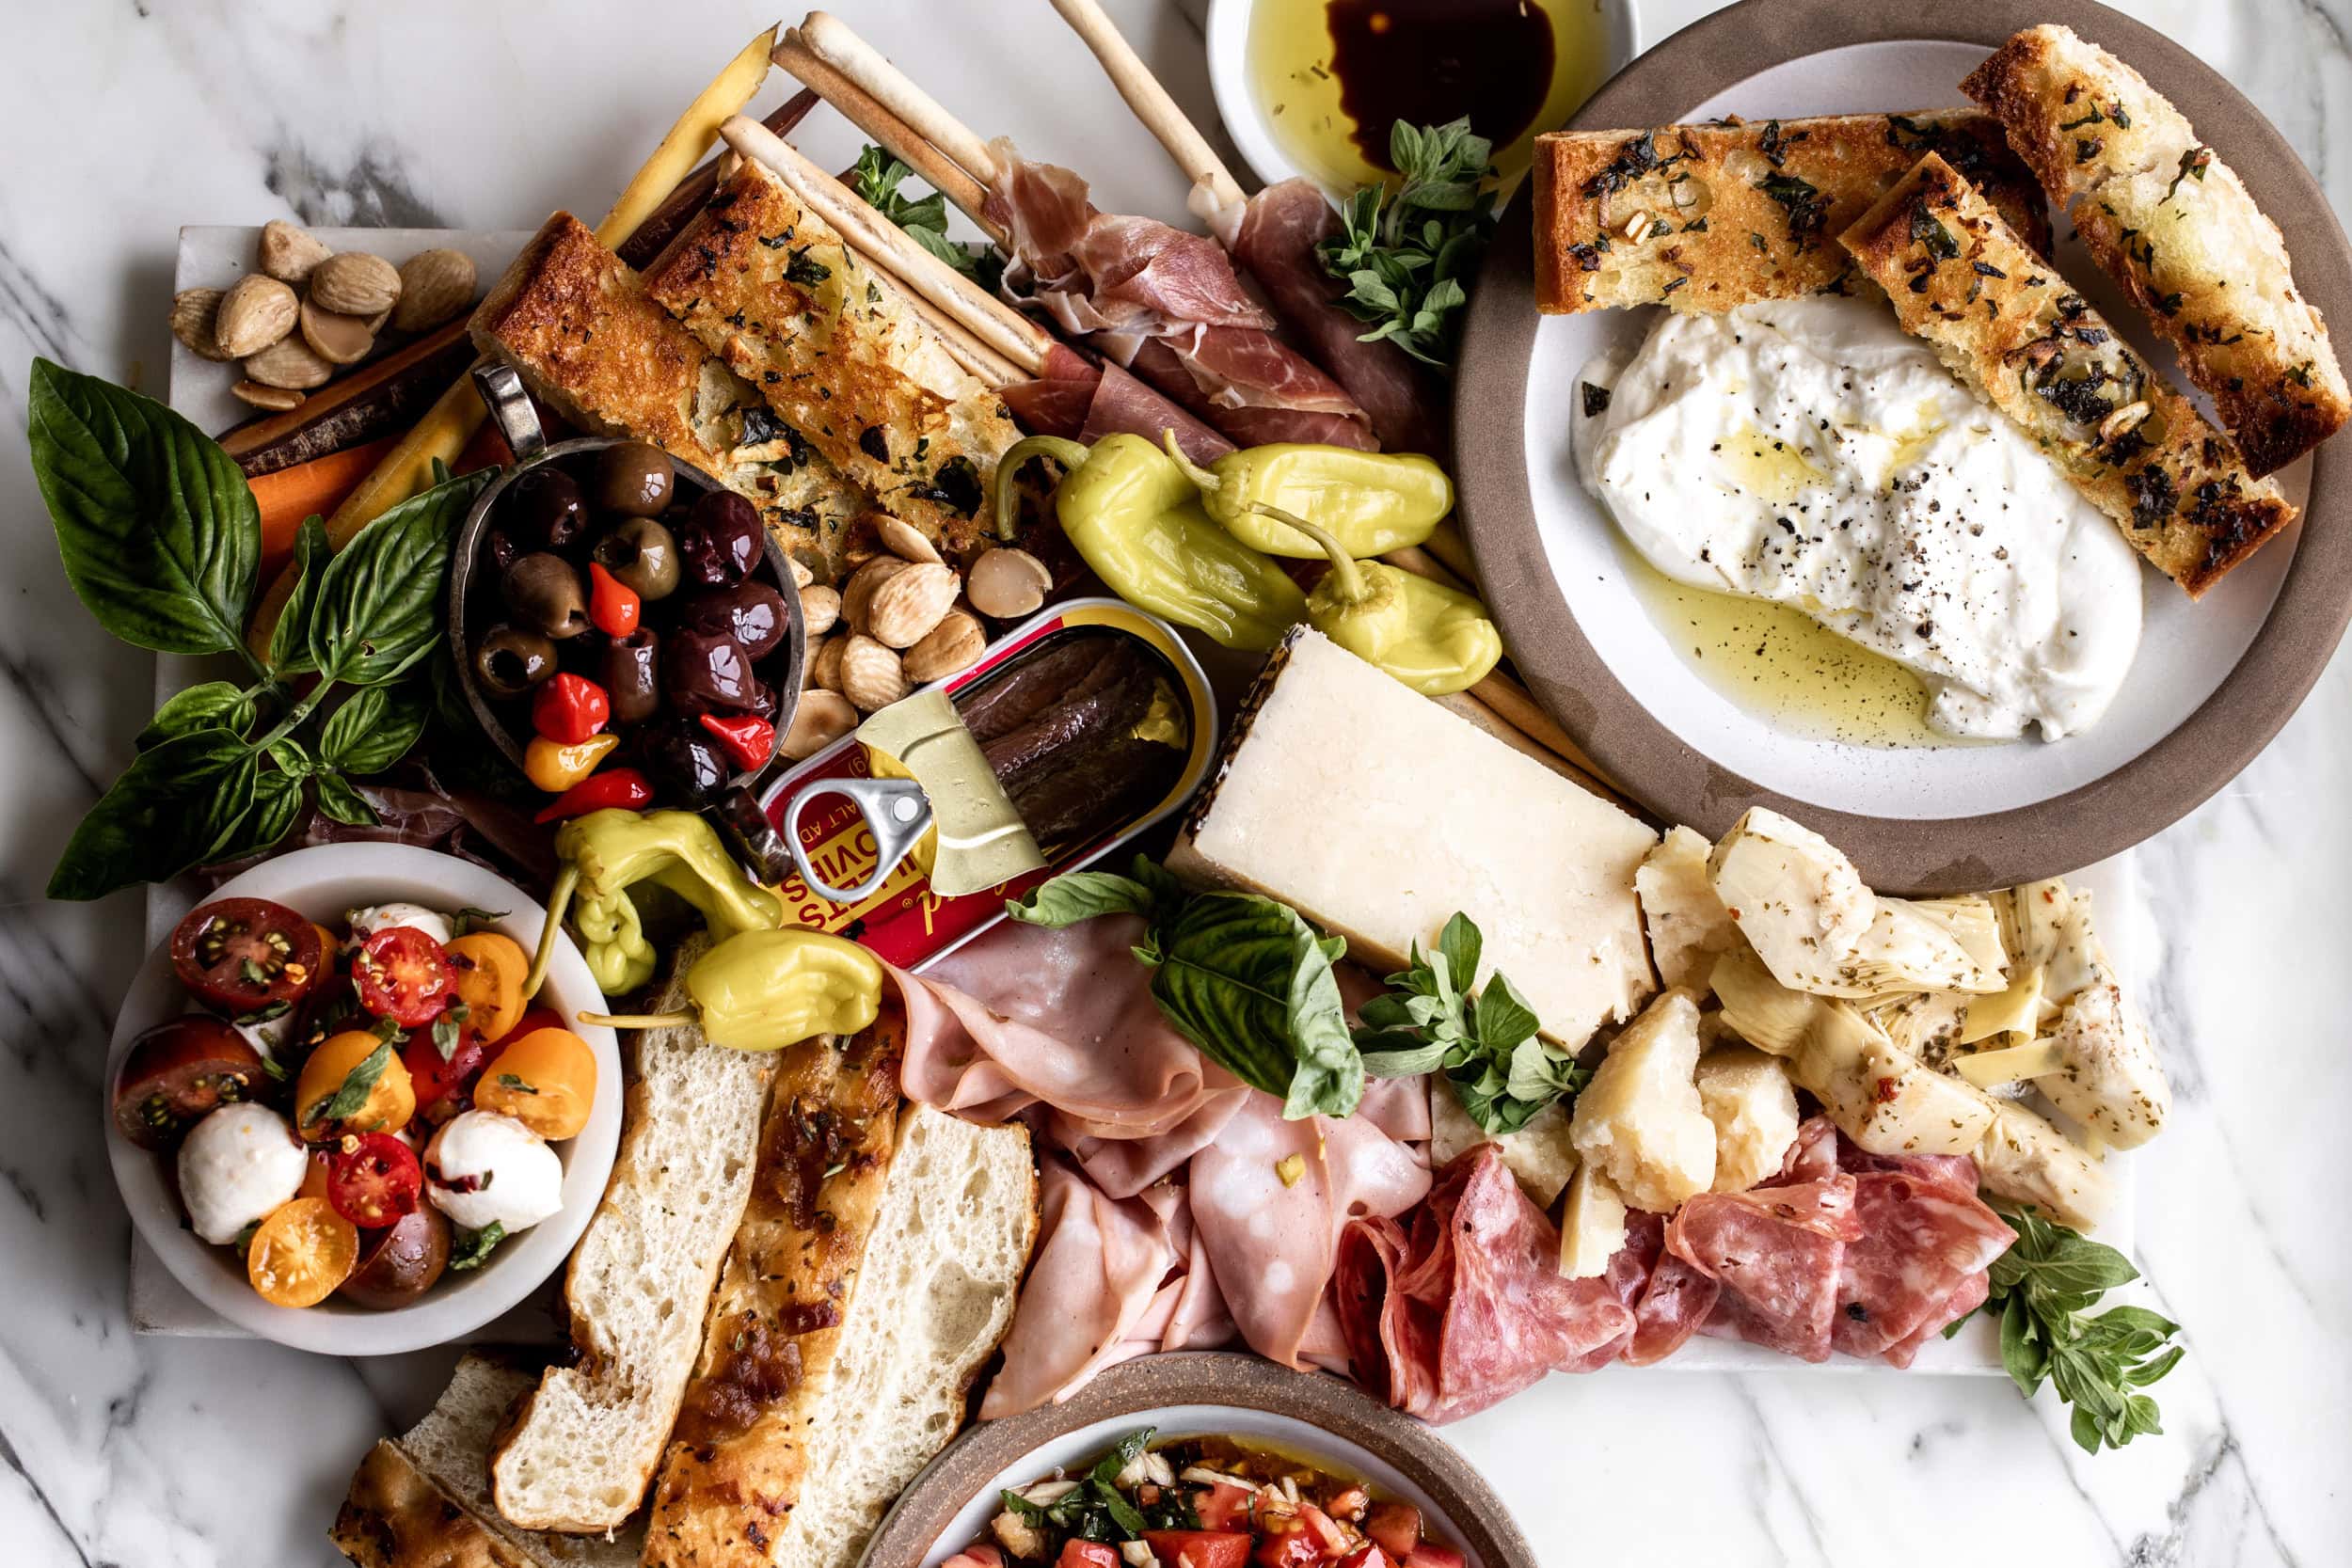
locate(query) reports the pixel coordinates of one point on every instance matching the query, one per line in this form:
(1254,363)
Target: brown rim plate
(1470,1512)
(1908,854)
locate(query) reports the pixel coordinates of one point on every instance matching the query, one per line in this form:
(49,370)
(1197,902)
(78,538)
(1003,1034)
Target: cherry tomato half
(443,1086)
(546,1080)
(1199,1549)
(373,1181)
(301,1253)
(243,954)
(1395,1525)
(389,1102)
(399,1264)
(490,974)
(405,975)
(178,1072)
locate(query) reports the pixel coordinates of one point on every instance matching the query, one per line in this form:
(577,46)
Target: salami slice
(1468,1308)
(1775,1253)
(1921,1240)
(1971,1295)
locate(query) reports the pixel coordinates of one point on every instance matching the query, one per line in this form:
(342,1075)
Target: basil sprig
(2043,1287)
(1488,1048)
(1241,976)
(160,538)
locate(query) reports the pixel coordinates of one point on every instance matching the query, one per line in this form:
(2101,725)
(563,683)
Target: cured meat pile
(1181,1211)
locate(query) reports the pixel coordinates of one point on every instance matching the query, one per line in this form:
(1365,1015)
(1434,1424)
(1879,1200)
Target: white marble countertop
(131,119)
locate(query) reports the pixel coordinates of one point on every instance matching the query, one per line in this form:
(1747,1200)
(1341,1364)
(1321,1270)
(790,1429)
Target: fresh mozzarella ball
(483,1169)
(238,1165)
(365,923)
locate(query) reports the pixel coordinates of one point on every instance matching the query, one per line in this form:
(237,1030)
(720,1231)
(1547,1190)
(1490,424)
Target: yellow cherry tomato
(303,1251)
(392,1100)
(490,970)
(555,767)
(547,1081)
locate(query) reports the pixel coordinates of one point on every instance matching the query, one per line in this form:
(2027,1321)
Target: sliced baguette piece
(583,1444)
(2164,216)
(839,354)
(1705,217)
(574,322)
(2005,322)
(950,1243)
(423,1500)
(761,1394)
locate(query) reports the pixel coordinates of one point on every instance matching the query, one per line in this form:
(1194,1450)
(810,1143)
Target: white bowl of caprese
(334,1116)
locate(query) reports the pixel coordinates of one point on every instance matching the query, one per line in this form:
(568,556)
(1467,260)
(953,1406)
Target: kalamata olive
(543,508)
(633,479)
(542,590)
(399,1262)
(498,548)
(510,660)
(722,540)
(751,613)
(684,762)
(705,672)
(642,554)
(629,672)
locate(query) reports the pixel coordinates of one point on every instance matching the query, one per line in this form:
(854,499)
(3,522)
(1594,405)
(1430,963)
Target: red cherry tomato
(1087,1554)
(438,1080)
(1427,1556)
(1224,1506)
(375,1181)
(1199,1549)
(404,975)
(534,1020)
(178,1073)
(1368,1556)
(1285,1542)
(1395,1525)
(246,955)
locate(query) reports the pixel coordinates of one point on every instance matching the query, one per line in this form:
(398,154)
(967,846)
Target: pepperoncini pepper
(1135,517)
(606,853)
(764,991)
(1371,501)
(1431,638)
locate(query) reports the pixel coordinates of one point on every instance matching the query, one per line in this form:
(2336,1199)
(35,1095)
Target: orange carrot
(317,486)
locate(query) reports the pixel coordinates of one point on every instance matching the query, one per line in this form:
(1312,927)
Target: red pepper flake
(1885,1090)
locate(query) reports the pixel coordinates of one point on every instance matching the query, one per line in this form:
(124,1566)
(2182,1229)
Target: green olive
(542,590)
(643,555)
(632,478)
(510,660)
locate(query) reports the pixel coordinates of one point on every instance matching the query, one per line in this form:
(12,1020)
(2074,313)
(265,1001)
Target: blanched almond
(193,311)
(255,312)
(337,339)
(276,399)
(820,719)
(858,592)
(801,576)
(820,607)
(956,643)
(354,283)
(824,665)
(288,362)
(1009,583)
(871,674)
(907,605)
(904,540)
(435,285)
(289,252)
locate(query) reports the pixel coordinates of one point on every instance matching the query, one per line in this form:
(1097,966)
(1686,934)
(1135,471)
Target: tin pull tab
(897,812)
(501,389)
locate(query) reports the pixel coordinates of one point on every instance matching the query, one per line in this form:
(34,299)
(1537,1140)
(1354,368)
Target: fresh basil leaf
(277,803)
(374,728)
(446,1035)
(472,1247)
(155,523)
(338,800)
(1328,1079)
(379,600)
(208,705)
(289,639)
(1021,1507)
(1227,968)
(466,918)
(1077,896)
(171,809)
(351,1095)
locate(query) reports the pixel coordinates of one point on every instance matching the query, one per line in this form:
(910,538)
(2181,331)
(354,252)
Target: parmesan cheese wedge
(1592,1225)
(1311,804)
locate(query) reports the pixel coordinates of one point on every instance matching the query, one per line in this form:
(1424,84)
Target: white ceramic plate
(322,884)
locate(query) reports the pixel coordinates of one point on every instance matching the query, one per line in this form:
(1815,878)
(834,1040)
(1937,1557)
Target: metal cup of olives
(509,643)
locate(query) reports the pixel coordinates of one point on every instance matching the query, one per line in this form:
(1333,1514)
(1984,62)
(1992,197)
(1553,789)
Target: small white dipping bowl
(323,883)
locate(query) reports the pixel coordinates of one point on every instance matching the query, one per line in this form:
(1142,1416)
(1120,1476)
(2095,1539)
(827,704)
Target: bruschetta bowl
(973,868)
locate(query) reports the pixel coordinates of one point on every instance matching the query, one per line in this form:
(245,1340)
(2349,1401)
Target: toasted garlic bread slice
(575,322)
(839,355)
(1705,217)
(2173,223)
(738,1456)
(2005,322)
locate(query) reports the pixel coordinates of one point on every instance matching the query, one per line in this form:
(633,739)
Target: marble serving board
(216,254)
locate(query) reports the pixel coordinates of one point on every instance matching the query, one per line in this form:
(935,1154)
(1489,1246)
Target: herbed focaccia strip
(576,324)
(1705,217)
(2173,223)
(738,1456)
(838,355)
(2007,325)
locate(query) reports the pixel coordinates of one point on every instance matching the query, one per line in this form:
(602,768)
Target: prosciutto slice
(1466,1307)
(1079,400)
(1276,242)
(1168,305)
